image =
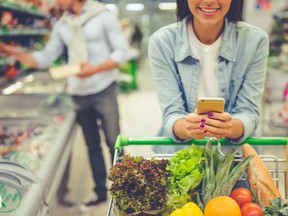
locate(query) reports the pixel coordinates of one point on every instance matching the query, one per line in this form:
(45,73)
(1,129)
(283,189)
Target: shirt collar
(227,50)
(85,7)
(83,10)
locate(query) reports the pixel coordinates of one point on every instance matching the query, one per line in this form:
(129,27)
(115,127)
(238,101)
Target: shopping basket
(277,166)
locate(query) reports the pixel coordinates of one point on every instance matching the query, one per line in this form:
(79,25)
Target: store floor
(140,117)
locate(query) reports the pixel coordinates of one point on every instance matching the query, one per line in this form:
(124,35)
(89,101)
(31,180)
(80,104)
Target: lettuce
(187,170)
(138,184)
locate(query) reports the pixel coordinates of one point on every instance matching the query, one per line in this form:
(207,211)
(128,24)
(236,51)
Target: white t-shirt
(208,57)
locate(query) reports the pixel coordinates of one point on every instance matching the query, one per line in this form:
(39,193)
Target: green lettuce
(187,170)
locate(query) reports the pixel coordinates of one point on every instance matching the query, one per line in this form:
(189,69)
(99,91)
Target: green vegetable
(277,208)
(220,174)
(138,184)
(186,167)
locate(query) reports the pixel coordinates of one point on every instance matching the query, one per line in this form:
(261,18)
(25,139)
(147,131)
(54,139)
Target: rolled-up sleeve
(248,103)
(51,51)
(116,38)
(167,86)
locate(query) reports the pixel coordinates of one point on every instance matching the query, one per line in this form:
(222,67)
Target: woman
(211,53)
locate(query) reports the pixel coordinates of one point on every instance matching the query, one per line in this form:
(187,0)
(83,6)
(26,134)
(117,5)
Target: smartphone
(210,104)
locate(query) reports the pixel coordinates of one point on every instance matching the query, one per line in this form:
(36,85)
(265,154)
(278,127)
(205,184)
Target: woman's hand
(195,125)
(218,125)
(214,124)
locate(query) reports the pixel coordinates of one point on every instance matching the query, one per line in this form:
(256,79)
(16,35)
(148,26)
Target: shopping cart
(277,166)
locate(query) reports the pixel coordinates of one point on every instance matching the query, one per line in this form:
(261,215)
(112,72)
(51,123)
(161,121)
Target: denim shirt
(241,73)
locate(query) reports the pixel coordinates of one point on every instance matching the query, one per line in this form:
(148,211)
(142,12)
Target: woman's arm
(170,96)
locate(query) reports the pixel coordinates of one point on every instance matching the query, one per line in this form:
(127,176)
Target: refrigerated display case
(36,83)
(37,128)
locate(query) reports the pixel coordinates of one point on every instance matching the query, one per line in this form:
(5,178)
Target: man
(94,39)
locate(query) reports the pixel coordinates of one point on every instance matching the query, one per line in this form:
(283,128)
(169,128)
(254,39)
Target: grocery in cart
(199,179)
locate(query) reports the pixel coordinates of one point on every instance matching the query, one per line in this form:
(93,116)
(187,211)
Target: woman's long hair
(234,14)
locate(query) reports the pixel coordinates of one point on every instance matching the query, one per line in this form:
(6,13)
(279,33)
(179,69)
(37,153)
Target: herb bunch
(221,174)
(277,208)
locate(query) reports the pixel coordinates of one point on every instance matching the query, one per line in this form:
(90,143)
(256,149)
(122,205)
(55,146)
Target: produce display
(27,144)
(195,181)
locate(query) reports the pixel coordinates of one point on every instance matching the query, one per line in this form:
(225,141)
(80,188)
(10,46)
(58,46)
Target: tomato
(251,209)
(241,196)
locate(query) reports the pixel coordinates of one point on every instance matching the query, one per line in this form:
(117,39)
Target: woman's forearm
(237,129)
(179,129)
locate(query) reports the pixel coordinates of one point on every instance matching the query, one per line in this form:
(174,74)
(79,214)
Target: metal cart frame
(123,141)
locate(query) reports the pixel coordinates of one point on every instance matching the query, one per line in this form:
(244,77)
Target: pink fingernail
(205,131)
(202,125)
(203,120)
(210,114)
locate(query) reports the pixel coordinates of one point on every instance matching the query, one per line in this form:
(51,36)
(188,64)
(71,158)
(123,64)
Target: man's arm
(26,58)
(88,69)
(39,59)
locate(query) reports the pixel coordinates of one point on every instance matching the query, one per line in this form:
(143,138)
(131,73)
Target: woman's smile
(208,11)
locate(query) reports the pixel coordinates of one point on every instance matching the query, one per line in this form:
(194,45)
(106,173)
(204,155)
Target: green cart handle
(126,141)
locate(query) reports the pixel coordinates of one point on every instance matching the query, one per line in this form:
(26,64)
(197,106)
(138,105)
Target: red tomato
(251,209)
(241,196)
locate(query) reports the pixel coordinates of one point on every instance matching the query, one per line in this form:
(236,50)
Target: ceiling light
(111,7)
(11,89)
(167,6)
(134,7)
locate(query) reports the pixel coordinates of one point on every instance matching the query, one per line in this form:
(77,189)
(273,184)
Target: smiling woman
(234,13)
(210,52)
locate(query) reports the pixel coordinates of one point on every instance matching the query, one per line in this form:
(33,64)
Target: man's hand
(7,49)
(87,70)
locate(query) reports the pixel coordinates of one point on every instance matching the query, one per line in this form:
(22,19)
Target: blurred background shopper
(94,39)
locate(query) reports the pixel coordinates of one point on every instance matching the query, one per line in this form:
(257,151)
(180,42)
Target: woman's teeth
(209,10)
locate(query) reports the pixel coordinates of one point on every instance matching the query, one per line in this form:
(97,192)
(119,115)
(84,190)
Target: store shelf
(27,32)
(6,60)
(23,9)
